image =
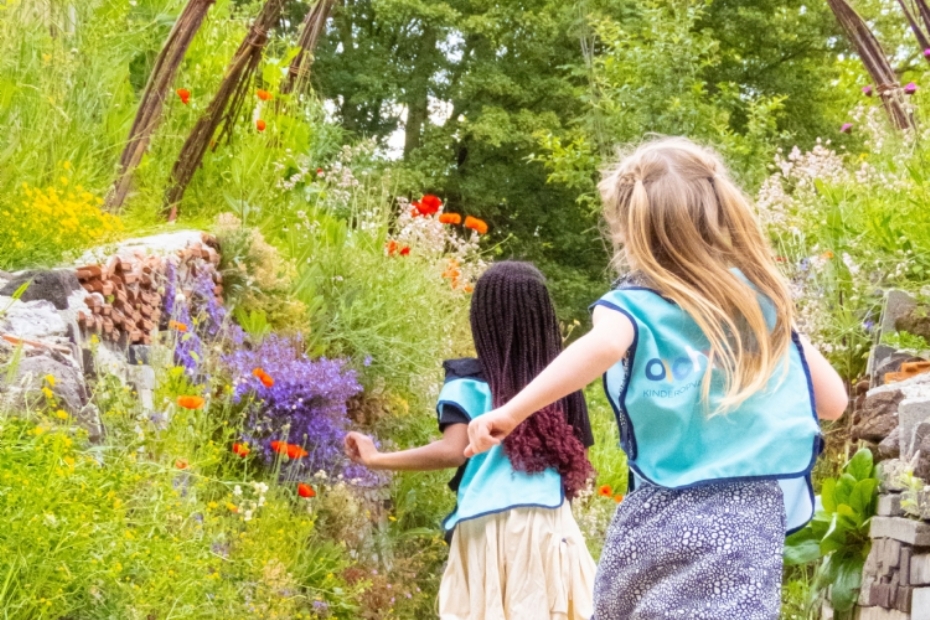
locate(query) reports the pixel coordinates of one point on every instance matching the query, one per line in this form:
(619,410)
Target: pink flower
(867,91)
(846,128)
(910,88)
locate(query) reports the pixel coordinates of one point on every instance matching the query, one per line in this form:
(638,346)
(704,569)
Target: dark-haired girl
(516,552)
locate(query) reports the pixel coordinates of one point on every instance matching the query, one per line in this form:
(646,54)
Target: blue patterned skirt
(709,553)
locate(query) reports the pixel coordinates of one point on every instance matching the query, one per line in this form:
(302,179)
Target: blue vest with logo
(489,483)
(666,430)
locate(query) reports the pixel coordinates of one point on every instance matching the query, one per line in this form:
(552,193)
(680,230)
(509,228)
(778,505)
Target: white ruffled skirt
(521,564)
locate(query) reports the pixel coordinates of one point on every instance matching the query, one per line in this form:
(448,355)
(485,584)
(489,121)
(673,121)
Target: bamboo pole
(875,61)
(152,103)
(225,106)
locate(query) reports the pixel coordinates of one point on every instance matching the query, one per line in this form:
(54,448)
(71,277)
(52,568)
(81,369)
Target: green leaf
(861,466)
(828,495)
(845,589)
(863,495)
(802,552)
(21,290)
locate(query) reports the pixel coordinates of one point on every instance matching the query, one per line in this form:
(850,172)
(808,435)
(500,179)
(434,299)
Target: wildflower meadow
(354,167)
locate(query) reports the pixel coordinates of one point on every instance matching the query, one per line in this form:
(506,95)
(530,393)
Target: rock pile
(116,293)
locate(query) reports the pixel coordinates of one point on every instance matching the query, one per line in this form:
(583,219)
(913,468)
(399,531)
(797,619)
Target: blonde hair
(683,225)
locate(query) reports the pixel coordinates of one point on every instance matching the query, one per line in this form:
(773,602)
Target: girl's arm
(578,365)
(829,391)
(442,454)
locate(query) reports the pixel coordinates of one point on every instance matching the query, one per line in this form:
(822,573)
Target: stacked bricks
(125,296)
(896,577)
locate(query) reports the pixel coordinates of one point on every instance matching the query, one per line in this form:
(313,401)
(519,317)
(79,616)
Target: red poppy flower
(428,205)
(260,125)
(190,402)
(296,452)
(267,381)
(264,95)
(405,251)
(279,446)
(479,226)
(450,218)
(605,491)
(305,490)
(184,94)
(319,172)
(241,449)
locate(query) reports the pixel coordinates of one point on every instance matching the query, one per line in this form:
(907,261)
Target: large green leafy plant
(838,536)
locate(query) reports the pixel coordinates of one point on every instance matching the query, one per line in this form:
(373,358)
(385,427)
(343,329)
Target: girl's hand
(487,431)
(360,449)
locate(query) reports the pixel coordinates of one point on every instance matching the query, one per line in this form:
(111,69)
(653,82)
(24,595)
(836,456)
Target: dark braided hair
(516,336)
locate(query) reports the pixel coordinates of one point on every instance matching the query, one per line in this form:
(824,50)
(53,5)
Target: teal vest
(666,431)
(489,483)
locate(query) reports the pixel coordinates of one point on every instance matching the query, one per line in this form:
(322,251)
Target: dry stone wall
(98,316)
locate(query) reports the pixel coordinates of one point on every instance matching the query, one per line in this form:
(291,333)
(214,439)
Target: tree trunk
(153,98)
(417,96)
(310,33)
(876,63)
(225,106)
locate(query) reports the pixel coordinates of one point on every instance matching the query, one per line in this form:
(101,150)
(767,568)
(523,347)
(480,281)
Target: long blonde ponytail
(683,225)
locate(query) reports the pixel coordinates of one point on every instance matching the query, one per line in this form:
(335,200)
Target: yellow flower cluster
(43,223)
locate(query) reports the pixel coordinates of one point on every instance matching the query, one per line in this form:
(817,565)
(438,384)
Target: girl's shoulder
(463,368)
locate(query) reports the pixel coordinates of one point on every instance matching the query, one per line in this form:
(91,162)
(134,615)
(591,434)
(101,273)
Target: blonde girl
(716,396)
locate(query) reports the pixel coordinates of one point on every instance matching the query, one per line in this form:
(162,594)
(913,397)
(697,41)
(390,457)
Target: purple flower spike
(867,90)
(846,128)
(910,89)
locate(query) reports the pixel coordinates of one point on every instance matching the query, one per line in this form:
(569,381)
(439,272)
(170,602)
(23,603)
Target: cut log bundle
(125,296)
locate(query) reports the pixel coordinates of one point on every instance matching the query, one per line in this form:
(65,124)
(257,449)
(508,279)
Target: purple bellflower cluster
(297,401)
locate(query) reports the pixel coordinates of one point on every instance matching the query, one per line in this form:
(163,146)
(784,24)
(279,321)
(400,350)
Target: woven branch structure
(153,98)
(919,34)
(225,106)
(310,31)
(875,61)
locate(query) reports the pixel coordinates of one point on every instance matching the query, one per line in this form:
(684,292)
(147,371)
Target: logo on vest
(674,371)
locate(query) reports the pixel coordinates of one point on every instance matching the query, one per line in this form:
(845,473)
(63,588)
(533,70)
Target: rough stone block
(889,475)
(865,590)
(877,613)
(882,595)
(920,604)
(53,285)
(904,566)
(878,416)
(897,305)
(902,599)
(920,569)
(889,505)
(911,413)
(33,320)
(923,501)
(141,377)
(140,354)
(915,533)
(890,446)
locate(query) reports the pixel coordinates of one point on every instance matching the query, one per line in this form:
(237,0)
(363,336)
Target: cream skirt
(521,564)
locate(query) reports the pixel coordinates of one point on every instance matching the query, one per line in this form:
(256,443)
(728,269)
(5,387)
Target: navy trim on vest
(629,443)
(494,512)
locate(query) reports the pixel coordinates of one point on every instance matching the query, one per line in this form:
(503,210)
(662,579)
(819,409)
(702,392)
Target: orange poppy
(450,218)
(181,464)
(241,449)
(181,327)
(305,490)
(184,94)
(264,95)
(828,254)
(605,491)
(295,452)
(618,498)
(266,380)
(190,402)
(428,204)
(260,125)
(391,247)
(469,288)
(479,226)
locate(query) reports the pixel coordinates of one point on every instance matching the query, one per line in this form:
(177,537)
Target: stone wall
(893,416)
(98,316)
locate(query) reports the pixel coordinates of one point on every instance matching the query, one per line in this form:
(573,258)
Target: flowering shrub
(47,222)
(846,226)
(295,408)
